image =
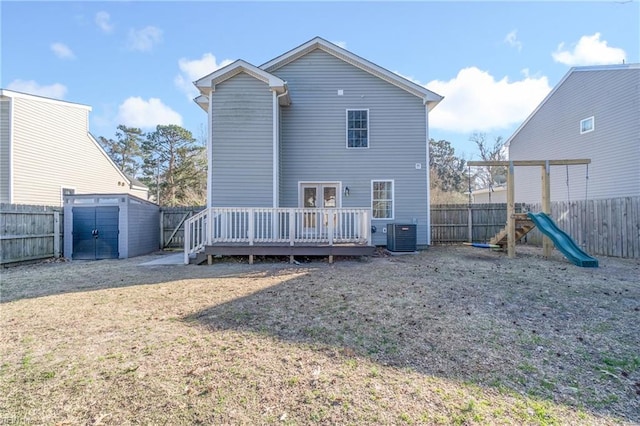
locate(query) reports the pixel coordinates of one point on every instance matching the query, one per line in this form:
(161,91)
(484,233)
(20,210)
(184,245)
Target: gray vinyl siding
(5,151)
(143,226)
(612,97)
(242,143)
(138,222)
(52,149)
(313,138)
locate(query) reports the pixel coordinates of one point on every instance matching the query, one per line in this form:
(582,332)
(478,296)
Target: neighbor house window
(357,128)
(382,199)
(66,191)
(586,125)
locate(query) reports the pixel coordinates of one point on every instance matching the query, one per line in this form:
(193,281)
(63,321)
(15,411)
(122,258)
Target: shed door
(95,232)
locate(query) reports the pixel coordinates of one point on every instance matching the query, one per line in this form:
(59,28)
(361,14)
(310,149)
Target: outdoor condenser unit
(401,237)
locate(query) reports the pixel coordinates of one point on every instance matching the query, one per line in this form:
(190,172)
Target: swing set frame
(545,165)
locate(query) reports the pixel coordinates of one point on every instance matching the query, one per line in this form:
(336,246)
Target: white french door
(319,195)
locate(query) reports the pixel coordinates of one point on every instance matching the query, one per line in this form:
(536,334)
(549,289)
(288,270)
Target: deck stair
(524,225)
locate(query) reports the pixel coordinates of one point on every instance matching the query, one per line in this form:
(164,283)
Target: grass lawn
(453,335)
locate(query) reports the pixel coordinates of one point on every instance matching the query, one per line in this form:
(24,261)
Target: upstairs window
(587,125)
(357,128)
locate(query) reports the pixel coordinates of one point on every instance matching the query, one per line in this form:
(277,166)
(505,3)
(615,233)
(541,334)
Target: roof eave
(430,98)
(206,84)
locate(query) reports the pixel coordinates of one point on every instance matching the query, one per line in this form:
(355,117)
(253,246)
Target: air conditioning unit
(401,237)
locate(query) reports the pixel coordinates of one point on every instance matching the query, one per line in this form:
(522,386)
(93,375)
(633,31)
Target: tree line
(173,164)
(168,160)
(452,180)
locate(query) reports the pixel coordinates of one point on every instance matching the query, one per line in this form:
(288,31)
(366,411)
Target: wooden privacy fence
(30,233)
(605,227)
(458,223)
(172,225)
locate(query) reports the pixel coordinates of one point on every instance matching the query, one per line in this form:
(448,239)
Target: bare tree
(489,176)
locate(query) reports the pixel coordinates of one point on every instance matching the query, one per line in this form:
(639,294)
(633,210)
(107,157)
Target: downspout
(426,119)
(210,151)
(276,145)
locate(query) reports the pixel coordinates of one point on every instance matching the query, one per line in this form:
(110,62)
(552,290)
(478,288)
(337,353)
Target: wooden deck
(206,256)
(241,231)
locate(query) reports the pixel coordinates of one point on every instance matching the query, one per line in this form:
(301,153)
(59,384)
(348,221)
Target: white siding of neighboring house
(52,149)
(612,97)
(497,195)
(5,150)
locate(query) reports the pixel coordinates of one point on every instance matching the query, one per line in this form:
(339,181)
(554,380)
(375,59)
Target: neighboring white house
(497,194)
(594,113)
(46,151)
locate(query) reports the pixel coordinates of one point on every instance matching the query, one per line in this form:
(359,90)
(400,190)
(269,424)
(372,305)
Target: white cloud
(512,40)
(589,50)
(145,39)
(55,91)
(103,20)
(191,70)
(62,51)
(137,112)
(476,102)
(342,44)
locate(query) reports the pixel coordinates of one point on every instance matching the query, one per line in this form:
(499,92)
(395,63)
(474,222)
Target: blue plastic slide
(563,241)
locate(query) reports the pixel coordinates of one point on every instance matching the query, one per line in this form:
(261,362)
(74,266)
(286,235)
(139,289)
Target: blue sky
(133,62)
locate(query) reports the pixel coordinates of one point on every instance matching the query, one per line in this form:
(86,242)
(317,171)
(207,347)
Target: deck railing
(293,226)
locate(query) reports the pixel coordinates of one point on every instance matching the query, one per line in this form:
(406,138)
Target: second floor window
(586,125)
(357,128)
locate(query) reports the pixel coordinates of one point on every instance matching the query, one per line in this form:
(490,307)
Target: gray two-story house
(315,128)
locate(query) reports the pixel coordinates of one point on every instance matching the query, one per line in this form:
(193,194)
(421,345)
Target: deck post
(367,227)
(187,241)
(292,228)
(209,259)
(208,238)
(330,219)
(251,229)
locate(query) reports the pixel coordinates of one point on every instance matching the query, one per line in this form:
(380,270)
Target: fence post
(56,234)
(161,229)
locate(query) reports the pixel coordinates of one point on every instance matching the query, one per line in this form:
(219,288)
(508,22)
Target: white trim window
(382,199)
(587,125)
(357,128)
(66,190)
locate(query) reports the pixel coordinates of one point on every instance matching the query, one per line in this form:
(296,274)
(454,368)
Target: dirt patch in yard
(453,335)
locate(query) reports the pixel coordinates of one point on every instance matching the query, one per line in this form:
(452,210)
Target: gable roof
(13,94)
(431,99)
(207,83)
(608,68)
(20,95)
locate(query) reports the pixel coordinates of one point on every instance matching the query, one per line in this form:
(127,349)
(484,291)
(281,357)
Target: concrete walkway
(168,259)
